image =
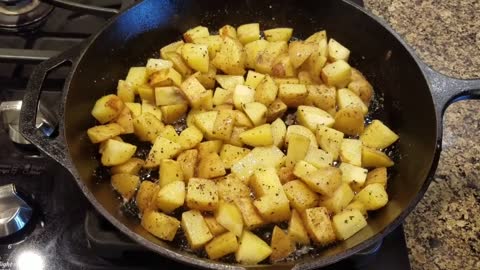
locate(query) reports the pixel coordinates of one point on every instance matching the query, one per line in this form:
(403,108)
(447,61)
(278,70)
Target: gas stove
(54,226)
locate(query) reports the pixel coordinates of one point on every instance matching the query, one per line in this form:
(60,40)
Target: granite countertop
(443,232)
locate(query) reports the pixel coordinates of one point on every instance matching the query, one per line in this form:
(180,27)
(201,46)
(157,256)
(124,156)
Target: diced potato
(231,188)
(148,107)
(137,76)
(273,207)
(102,133)
(197,32)
(265,182)
(214,227)
(125,120)
(373,196)
(162,226)
(207,147)
(170,171)
(178,63)
(351,151)
(228,30)
(125,184)
(242,120)
(378,175)
(213,42)
(302,169)
(107,108)
(317,60)
(318,224)
(312,117)
(146,93)
(276,110)
(172,113)
(125,91)
(337,51)
(282,67)
(298,146)
(190,137)
(360,86)
(299,51)
(202,194)
(147,127)
(318,158)
(259,157)
(347,98)
(251,218)
(131,166)
(230,217)
(222,96)
(293,95)
(195,92)
(281,245)
(353,175)
(195,229)
(135,108)
(266,58)
(172,47)
(300,196)
(235,138)
(337,74)
(243,95)
(210,166)
(207,79)
(285,174)
(323,97)
(231,57)
(188,162)
(229,81)
(296,230)
(252,52)
(377,135)
(247,33)
(305,78)
(170,133)
(154,65)
(162,149)
(349,120)
(301,130)
(324,181)
(231,154)
(278,34)
(375,158)
(165,77)
(330,140)
(253,79)
(339,199)
(280,81)
(116,152)
(171,196)
(205,121)
(357,205)
(266,91)
(279,130)
(168,95)
(348,223)
(221,245)
(256,112)
(258,136)
(145,193)
(224,124)
(252,249)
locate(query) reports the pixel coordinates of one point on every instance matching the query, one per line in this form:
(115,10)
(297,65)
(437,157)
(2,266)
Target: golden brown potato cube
(135,108)
(318,224)
(357,205)
(373,196)
(190,137)
(313,117)
(170,133)
(208,147)
(102,133)
(253,79)
(348,223)
(205,121)
(339,200)
(172,47)
(324,181)
(125,184)
(170,171)
(195,229)
(210,166)
(293,95)
(259,157)
(168,95)
(281,245)
(148,107)
(235,138)
(353,175)
(188,162)
(337,51)
(116,152)
(256,112)
(222,245)
(278,34)
(162,149)
(125,120)
(202,194)
(378,175)
(279,131)
(228,30)
(303,168)
(265,181)
(251,218)
(285,174)
(360,86)
(301,130)
(351,151)
(224,123)
(230,188)
(178,63)
(146,93)
(330,140)
(125,91)
(242,120)
(258,136)
(377,135)
(154,64)
(316,62)
(347,98)
(252,249)
(172,113)
(207,79)
(252,52)
(266,58)
(276,110)
(107,108)
(195,92)
(266,91)
(147,127)
(171,196)
(165,77)
(231,57)
(229,81)
(131,166)
(375,158)
(318,158)
(230,217)
(102,145)
(300,196)
(242,95)
(349,120)
(196,56)
(323,97)
(282,67)
(337,74)
(196,32)
(300,51)
(137,76)
(305,78)
(273,207)
(298,146)
(230,154)
(213,225)
(162,226)
(145,193)
(247,33)
(296,230)
(317,36)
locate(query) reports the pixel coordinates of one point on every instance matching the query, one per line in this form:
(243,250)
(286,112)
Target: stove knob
(15,213)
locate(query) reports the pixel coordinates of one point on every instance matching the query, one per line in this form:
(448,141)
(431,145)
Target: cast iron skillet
(413,97)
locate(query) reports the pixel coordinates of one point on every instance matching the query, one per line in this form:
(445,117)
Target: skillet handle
(447,90)
(53,146)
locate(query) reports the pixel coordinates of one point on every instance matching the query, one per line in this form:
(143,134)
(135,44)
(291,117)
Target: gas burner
(22,15)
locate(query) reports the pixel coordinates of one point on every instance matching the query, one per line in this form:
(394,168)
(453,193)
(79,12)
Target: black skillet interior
(407,105)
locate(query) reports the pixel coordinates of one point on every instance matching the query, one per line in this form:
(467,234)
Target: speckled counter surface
(443,232)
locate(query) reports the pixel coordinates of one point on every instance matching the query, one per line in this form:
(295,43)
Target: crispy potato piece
(323,97)
(172,47)
(171,196)
(303,169)
(224,123)
(282,67)
(230,217)
(162,149)
(228,30)
(214,227)
(251,218)
(347,98)
(276,110)
(231,57)
(279,131)
(213,43)
(165,77)
(131,166)
(259,157)
(318,224)
(229,81)
(299,52)
(265,59)
(253,50)
(373,196)
(351,151)
(253,79)
(301,130)
(281,245)
(324,181)
(210,166)
(116,152)
(137,76)
(98,134)
(375,158)
(298,146)
(208,147)
(178,63)
(256,112)
(339,200)
(243,95)
(221,245)
(313,117)
(266,91)
(107,108)
(278,34)
(147,127)
(296,229)
(247,33)
(168,95)
(196,32)
(231,154)
(377,135)
(252,249)
(329,140)
(378,175)
(231,188)
(135,108)
(188,162)
(202,194)
(195,229)
(337,51)
(125,91)
(162,226)
(293,95)
(154,65)
(349,120)
(145,193)
(300,196)
(190,137)
(170,171)
(172,113)
(348,223)
(258,136)
(195,92)
(125,184)
(353,175)
(337,74)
